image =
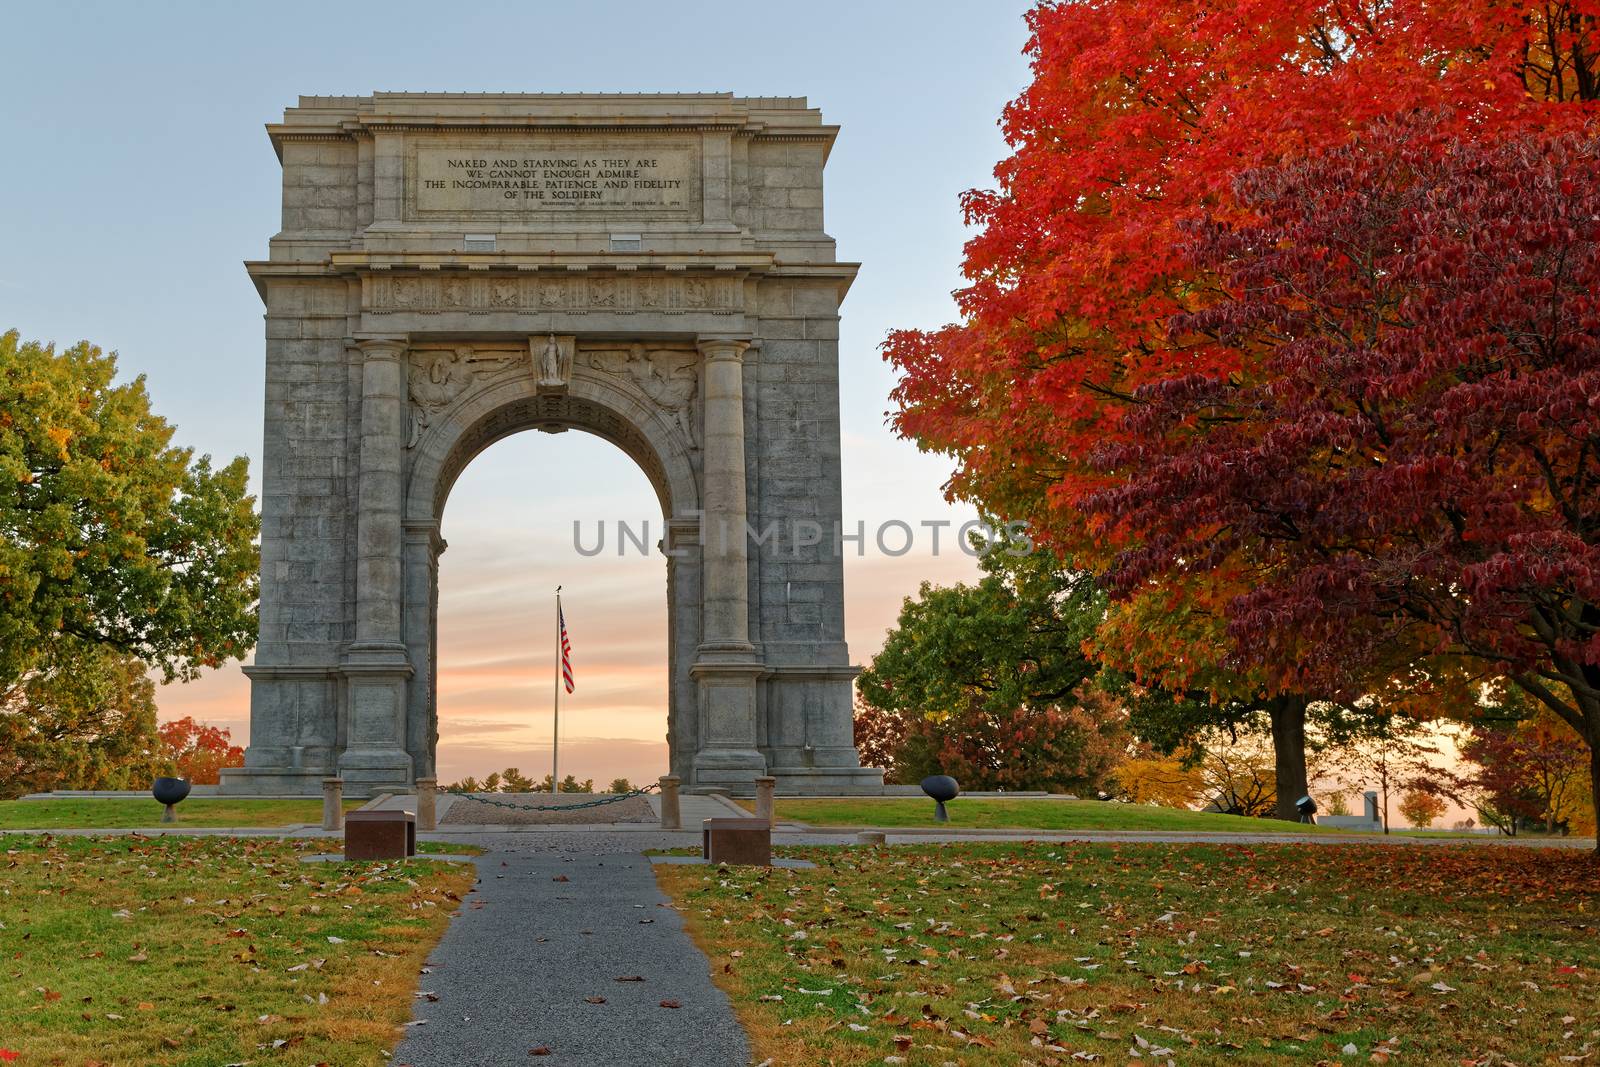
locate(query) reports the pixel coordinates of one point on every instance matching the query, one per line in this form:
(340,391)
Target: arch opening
(511,509)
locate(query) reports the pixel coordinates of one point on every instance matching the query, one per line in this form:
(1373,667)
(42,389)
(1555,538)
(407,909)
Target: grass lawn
(1060,954)
(447,848)
(1022,813)
(211,951)
(121,813)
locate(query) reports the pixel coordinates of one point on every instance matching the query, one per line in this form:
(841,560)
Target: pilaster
(726,666)
(376,665)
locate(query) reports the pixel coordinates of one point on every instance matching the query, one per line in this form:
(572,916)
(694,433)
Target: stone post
(764,805)
(333,803)
(376,666)
(671,818)
(427,803)
(726,666)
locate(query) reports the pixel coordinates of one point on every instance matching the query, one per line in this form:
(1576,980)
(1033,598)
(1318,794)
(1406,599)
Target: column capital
(424,531)
(714,348)
(382,346)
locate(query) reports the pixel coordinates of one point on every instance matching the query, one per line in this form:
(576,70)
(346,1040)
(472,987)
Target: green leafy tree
(621,785)
(990,683)
(82,717)
(569,784)
(1014,640)
(514,781)
(110,535)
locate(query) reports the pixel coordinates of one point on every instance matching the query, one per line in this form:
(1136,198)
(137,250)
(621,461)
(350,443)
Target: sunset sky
(143,194)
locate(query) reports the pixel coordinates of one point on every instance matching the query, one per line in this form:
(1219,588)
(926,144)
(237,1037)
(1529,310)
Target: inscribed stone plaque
(577,176)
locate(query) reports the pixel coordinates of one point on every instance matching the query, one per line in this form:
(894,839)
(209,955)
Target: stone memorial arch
(456,268)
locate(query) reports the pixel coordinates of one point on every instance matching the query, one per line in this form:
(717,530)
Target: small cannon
(941,787)
(170,791)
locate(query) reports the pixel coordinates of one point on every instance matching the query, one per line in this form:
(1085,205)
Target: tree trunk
(1594,781)
(1289,753)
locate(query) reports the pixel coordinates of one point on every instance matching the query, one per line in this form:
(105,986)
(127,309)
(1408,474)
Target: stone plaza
(456,268)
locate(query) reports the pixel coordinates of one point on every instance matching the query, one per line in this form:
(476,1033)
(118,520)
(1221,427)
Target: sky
(139,178)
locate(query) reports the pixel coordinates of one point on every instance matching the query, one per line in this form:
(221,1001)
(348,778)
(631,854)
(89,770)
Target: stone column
(423,546)
(379,537)
(376,666)
(724,546)
(726,666)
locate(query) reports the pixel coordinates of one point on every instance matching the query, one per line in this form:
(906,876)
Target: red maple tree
(1138,118)
(1406,452)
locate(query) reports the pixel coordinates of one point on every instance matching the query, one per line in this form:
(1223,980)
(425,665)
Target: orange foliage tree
(1421,808)
(198,751)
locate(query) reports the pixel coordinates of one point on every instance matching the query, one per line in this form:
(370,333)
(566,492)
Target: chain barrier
(513,806)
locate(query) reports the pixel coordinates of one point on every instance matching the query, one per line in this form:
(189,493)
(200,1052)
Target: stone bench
(739,842)
(380,835)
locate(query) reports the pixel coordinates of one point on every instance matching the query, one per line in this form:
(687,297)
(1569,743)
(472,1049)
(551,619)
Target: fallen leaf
(594,1000)
(670,1004)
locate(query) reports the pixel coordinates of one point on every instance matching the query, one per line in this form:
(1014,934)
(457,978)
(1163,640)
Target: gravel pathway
(554,921)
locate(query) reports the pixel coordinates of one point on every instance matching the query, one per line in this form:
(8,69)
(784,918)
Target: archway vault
(448,431)
(681,302)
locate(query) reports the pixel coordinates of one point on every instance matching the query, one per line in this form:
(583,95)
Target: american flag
(566,649)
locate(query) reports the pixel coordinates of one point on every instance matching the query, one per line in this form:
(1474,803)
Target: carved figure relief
(552,360)
(407,292)
(668,378)
(439,376)
(695,292)
(455,292)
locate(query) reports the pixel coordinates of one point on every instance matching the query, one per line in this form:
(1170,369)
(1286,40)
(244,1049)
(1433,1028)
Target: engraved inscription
(576,177)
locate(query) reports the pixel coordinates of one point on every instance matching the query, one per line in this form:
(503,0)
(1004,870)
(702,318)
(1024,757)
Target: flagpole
(555,742)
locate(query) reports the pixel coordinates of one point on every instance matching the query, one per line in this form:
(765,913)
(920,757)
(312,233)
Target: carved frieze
(580,292)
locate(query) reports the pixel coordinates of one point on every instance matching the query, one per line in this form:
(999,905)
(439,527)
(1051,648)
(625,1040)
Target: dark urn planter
(941,787)
(170,791)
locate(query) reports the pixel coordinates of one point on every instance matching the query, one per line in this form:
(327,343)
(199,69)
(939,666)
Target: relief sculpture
(667,377)
(440,376)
